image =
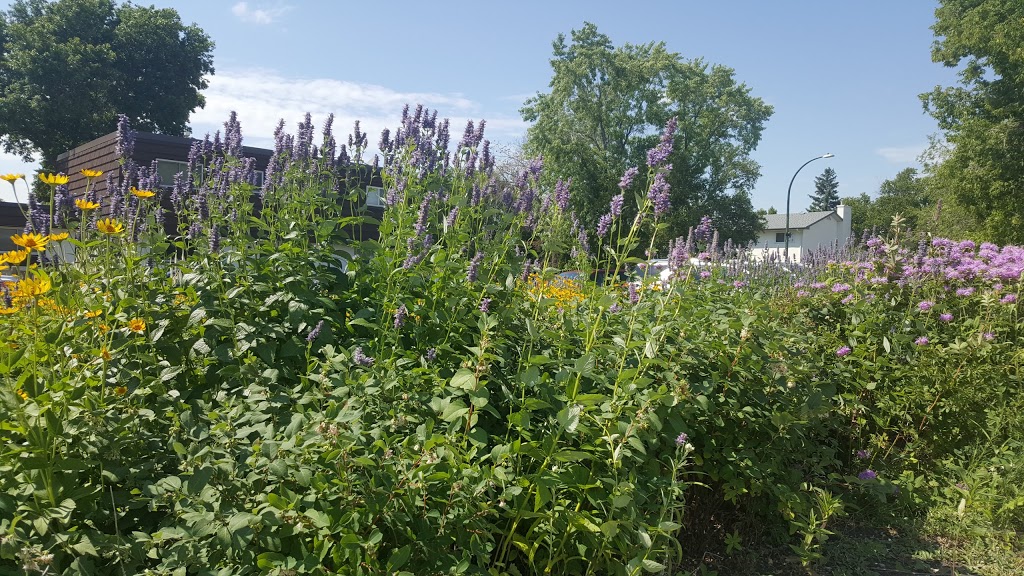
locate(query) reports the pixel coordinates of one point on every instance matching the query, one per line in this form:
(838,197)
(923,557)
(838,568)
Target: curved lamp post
(788,191)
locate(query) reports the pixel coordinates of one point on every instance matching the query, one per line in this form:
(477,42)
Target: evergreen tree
(826,192)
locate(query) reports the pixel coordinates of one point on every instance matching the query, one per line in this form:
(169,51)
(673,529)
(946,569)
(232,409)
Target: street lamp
(788,191)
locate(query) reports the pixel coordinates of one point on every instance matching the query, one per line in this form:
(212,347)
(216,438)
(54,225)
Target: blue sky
(843,77)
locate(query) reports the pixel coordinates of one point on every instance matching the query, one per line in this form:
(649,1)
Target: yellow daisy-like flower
(105,354)
(6,311)
(22,394)
(142,193)
(11,177)
(85,205)
(58,237)
(120,390)
(54,179)
(110,226)
(137,325)
(16,256)
(104,328)
(92,313)
(31,241)
(33,287)
(91,173)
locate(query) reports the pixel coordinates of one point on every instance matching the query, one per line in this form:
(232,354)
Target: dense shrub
(268,391)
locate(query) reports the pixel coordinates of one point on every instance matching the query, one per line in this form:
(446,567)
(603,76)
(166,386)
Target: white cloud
(902,154)
(263,97)
(258,15)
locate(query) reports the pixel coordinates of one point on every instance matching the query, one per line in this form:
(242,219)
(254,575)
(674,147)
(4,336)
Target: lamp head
(828,155)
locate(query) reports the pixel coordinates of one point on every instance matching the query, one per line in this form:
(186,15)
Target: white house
(807,232)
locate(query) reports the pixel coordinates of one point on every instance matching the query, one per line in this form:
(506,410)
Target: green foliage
(826,192)
(67,68)
(606,107)
(983,118)
(908,195)
(303,400)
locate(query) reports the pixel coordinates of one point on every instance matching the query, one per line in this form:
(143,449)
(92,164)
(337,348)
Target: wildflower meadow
(207,376)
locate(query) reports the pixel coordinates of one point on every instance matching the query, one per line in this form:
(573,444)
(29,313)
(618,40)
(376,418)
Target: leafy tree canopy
(981,163)
(826,192)
(606,108)
(67,68)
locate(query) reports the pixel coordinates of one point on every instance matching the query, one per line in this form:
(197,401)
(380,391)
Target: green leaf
(464,379)
(652,566)
(399,558)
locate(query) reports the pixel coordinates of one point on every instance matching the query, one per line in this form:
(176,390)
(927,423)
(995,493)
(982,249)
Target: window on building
(167,169)
(781,236)
(375,196)
(258,179)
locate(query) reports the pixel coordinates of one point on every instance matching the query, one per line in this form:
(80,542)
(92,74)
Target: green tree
(980,163)
(862,208)
(905,194)
(67,68)
(606,108)
(826,192)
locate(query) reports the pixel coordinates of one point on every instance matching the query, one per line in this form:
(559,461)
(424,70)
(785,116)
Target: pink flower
(844,351)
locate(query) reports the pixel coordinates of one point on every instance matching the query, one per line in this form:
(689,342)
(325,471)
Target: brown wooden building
(12,221)
(169,152)
(171,156)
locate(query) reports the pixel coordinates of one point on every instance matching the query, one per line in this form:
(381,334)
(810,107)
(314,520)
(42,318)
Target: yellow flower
(110,226)
(33,287)
(120,390)
(58,237)
(85,205)
(137,325)
(54,179)
(93,313)
(22,394)
(142,193)
(11,177)
(91,173)
(12,310)
(16,256)
(31,241)
(104,328)
(105,354)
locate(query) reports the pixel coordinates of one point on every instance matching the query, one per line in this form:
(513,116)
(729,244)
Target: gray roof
(796,221)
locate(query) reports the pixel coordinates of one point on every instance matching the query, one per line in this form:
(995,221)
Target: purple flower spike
(681,439)
(627,178)
(704,230)
(361,359)
(844,351)
(485,305)
(562,194)
(921,341)
(315,331)
(615,208)
(867,475)
(656,156)
(604,224)
(946,317)
(926,305)
(659,194)
(400,316)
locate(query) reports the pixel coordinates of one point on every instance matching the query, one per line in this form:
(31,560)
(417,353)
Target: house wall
(767,246)
(821,234)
